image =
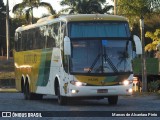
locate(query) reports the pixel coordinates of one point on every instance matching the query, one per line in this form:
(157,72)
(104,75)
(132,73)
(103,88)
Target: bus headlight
(77,83)
(125,82)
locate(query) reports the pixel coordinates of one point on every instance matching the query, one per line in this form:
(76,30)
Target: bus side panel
(18,74)
(44,69)
(27,64)
(51,72)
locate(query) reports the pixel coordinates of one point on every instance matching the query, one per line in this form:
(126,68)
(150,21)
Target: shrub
(153,86)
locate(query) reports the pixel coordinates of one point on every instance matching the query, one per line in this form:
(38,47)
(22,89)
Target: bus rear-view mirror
(138,44)
(67,46)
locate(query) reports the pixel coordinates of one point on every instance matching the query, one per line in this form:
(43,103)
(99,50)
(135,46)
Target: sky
(55,4)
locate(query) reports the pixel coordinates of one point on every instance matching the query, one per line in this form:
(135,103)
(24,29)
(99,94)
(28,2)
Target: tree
(2,28)
(135,9)
(155,37)
(28,5)
(14,24)
(86,6)
(152,35)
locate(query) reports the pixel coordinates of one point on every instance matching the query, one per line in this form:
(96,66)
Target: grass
(6,75)
(146,93)
(6,68)
(8,90)
(6,65)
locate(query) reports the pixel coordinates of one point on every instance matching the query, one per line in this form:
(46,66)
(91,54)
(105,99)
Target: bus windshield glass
(101,56)
(100,47)
(99,29)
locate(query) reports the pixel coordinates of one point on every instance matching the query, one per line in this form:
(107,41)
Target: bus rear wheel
(27,94)
(61,99)
(112,100)
(31,96)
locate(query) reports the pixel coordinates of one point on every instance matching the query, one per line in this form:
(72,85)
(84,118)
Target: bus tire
(27,94)
(22,85)
(112,100)
(39,96)
(35,96)
(61,99)
(30,96)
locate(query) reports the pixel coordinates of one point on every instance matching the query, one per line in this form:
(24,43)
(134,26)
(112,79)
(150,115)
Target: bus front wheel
(112,100)
(61,99)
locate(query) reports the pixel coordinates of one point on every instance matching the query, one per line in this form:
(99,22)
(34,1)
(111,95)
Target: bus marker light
(129,90)
(75,91)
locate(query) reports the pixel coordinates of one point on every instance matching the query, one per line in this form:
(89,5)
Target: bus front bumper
(102,91)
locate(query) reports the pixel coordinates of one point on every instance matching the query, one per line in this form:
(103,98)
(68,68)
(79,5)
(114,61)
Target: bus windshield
(101,56)
(99,29)
(100,47)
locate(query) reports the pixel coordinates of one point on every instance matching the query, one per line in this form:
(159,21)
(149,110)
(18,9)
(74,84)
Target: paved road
(15,102)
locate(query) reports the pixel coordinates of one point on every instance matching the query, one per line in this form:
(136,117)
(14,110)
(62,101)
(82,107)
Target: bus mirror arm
(138,44)
(67,46)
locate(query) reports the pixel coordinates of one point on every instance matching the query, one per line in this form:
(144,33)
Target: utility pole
(7,30)
(144,71)
(115,7)
(32,13)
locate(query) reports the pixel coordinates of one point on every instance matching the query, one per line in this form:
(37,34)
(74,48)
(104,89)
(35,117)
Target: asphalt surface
(82,109)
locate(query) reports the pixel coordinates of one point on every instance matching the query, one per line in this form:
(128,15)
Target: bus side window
(30,40)
(24,41)
(42,37)
(50,39)
(19,42)
(17,39)
(56,33)
(35,39)
(63,33)
(38,38)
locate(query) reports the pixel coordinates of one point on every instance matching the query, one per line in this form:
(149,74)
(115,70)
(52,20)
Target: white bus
(75,56)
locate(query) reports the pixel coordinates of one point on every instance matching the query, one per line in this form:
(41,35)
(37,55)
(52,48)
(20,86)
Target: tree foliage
(2,27)
(149,10)
(86,6)
(26,8)
(155,37)
(135,9)
(14,24)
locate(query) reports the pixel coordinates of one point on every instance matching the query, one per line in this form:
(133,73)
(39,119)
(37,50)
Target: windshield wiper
(94,63)
(106,58)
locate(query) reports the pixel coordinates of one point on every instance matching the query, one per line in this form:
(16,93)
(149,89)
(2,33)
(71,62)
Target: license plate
(102,91)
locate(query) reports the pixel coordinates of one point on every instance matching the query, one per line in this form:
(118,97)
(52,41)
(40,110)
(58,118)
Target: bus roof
(69,18)
(93,17)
